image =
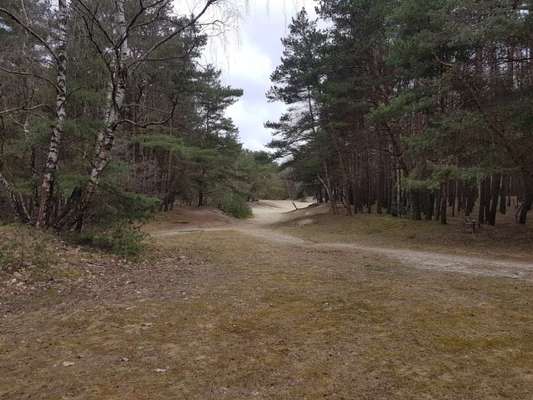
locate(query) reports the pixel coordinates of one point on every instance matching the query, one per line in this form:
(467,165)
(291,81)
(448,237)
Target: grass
(507,239)
(23,248)
(181,217)
(249,319)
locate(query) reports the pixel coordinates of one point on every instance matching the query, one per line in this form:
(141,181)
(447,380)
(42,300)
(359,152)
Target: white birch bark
(116,93)
(77,208)
(49,176)
(15,199)
(115,102)
(75,213)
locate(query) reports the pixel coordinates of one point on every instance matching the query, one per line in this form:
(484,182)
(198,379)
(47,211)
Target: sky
(247,53)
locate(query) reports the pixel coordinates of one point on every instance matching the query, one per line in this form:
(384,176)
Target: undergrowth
(236,206)
(24,247)
(123,239)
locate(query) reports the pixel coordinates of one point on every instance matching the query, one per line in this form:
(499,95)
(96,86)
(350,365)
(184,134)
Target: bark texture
(49,176)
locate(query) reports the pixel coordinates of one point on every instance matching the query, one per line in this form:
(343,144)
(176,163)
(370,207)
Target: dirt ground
(451,248)
(222,309)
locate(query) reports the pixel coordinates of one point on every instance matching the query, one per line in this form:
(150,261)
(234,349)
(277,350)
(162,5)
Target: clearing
(288,305)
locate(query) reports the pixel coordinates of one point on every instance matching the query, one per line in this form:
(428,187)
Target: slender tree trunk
(495,194)
(482,201)
(398,192)
(453,196)
(471,198)
(381,180)
(48,180)
(416,200)
(116,95)
(430,206)
(527,202)
(15,200)
(503,195)
(346,190)
(200,198)
(326,183)
(444,203)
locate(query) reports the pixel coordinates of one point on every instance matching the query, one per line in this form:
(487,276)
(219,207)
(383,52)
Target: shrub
(123,239)
(235,205)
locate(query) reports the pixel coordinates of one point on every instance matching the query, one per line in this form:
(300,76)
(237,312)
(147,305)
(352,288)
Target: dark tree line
(417,108)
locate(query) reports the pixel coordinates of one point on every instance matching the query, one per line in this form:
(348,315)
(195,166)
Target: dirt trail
(267,213)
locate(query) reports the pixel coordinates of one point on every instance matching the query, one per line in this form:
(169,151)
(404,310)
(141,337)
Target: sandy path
(267,213)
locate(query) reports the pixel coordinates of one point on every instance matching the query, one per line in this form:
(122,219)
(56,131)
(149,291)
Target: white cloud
(246,61)
(250,118)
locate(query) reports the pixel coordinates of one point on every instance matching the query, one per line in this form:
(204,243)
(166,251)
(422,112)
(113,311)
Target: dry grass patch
(22,247)
(183,218)
(507,239)
(257,320)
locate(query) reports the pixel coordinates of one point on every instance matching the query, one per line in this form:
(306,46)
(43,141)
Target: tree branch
(142,8)
(12,110)
(28,29)
(192,22)
(96,21)
(151,123)
(30,74)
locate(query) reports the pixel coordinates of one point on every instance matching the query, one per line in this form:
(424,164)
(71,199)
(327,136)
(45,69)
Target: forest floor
(288,305)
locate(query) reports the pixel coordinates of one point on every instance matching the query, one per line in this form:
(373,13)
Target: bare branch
(166,39)
(30,74)
(140,12)
(151,123)
(95,20)
(23,108)
(16,200)
(96,45)
(28,29)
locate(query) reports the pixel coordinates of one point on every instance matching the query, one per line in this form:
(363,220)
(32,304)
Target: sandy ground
(269,213)
(275,211)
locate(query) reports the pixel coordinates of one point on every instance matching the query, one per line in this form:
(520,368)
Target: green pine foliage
(122,239)
(173,143)
(414,105)
(235,205)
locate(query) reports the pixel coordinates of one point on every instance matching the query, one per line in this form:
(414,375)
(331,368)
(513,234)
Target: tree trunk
(200,198)
(430,206)
(503,195)
(380,183)
(15,200)
(444,203)
(482,201)
(416,202)
(495,194)
(326,183)
(106,136)
(48,180)
(346,190)
(527,201)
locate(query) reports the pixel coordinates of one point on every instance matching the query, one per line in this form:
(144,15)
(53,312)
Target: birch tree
(115,52)
(57,53)
(122,115)
(52,160)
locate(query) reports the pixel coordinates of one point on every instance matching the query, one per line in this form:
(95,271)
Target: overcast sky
(247,55)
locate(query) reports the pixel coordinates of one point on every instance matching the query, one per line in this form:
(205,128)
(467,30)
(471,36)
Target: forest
(418,109)
(415,108)
(107,113)
(342,213)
